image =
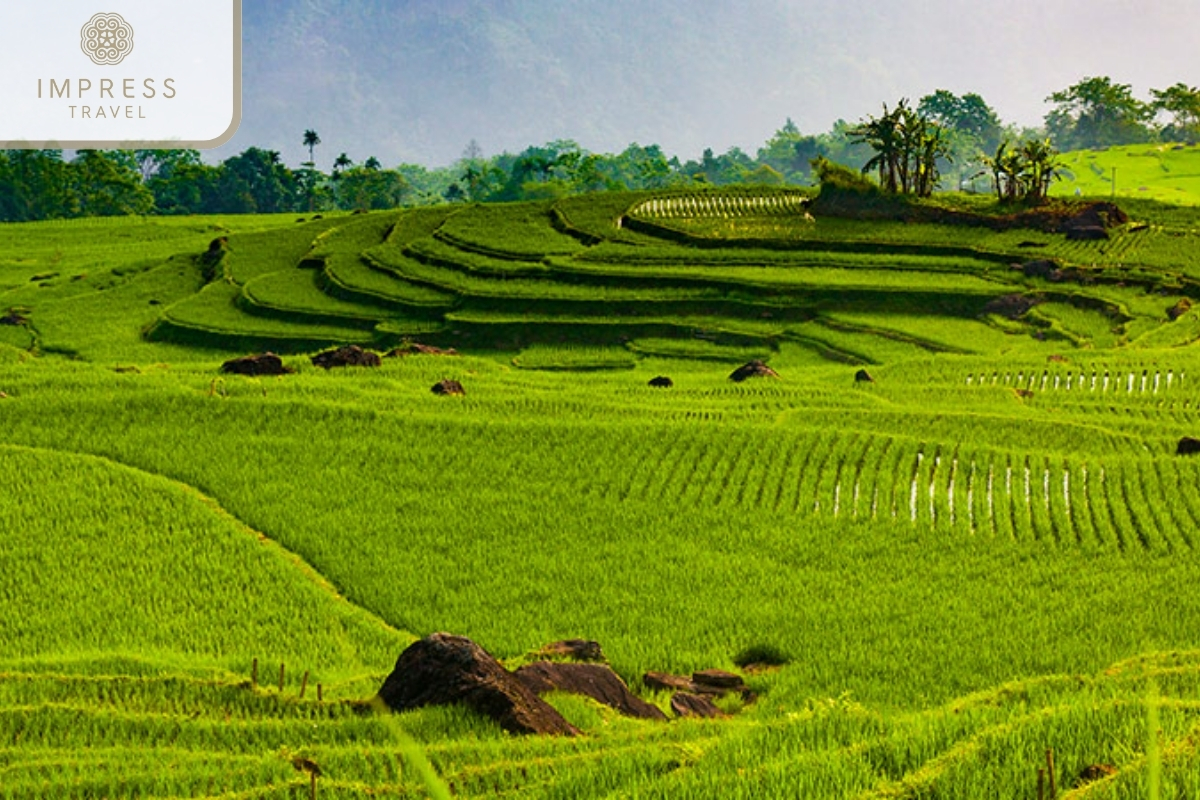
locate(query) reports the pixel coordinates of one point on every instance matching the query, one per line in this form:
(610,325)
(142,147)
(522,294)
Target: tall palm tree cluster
(907,147)
(1024,171)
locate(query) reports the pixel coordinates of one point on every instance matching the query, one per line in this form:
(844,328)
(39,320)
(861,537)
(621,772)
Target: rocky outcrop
(448,387)
(753,369)
(596,681)
(444,669)
(261,364)
(349,356)
(695,705)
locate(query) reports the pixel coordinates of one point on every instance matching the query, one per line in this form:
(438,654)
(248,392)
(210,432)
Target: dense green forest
(965,140)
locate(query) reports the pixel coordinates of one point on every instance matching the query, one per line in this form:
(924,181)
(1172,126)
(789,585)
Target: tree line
(944,141)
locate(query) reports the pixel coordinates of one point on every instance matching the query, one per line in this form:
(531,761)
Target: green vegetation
(978,554)
(1169,173)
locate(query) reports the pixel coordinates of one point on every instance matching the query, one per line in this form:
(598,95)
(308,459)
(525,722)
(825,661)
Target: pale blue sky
(416,80)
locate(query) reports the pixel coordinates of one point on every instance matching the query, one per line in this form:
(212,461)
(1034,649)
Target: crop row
(1083,380)
(721,205)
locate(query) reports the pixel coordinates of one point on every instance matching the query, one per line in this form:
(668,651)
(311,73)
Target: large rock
(1187,446)
(350,356)
(661,382)
(716,681)
(442,669)
(753,369)
(694,705)
(596,681)
(665,681)
(448,387)
(261,364)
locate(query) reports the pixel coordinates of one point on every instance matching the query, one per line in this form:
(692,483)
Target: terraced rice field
(984,552)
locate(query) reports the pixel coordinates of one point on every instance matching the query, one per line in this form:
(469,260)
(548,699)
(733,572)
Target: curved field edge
(118,560)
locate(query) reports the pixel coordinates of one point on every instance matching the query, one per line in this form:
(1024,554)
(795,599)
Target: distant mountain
(416,80)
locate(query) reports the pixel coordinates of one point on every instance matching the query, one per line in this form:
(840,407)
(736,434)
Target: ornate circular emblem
(106,38)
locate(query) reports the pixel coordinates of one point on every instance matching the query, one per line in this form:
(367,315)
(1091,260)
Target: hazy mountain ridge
(416,81)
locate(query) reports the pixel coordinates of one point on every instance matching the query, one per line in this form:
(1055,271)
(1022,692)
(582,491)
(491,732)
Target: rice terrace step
(916,504)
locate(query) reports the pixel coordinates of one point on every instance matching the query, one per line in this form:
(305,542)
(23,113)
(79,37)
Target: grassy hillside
(983,553)
(1169,173)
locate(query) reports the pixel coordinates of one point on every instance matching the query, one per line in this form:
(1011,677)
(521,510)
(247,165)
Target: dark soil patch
(1011,306)
(1051,216)
(1095,772)
(350,356)
(262,364)
(448,387)
(752,369)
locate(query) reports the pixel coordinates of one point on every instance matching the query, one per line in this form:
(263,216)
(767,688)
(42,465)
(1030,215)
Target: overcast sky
(416,80)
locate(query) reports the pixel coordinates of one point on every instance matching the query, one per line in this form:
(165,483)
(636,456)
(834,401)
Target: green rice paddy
(985,552)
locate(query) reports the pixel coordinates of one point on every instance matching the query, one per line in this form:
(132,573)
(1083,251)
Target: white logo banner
(120,73)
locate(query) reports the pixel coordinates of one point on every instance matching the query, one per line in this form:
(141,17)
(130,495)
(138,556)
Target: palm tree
(885,136)
(931,145)
(311,140)
(373,164)
(340,163)
(1041,168)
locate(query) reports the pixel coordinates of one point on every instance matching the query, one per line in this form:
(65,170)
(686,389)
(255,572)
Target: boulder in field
(753,369)
(685,704)
(717,681)
(596,681)
(862,376)
(574,649)
(665,681)
(661,382)
(261,364)
(444,669)
(448,387)
(1187,446)
(349,356)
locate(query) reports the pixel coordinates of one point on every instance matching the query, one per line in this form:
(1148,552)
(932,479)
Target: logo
(106,39)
